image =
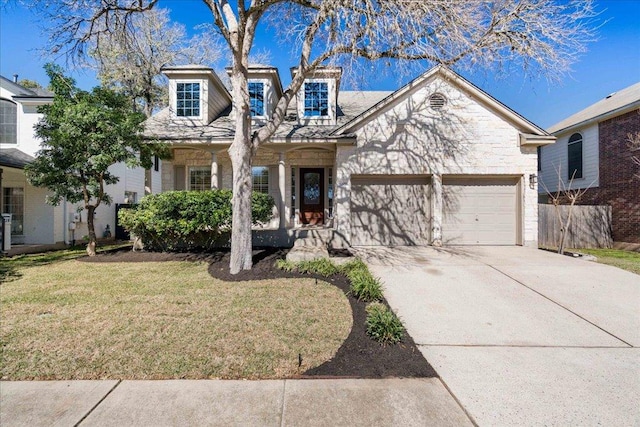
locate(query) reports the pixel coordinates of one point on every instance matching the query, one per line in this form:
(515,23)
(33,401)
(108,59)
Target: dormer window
(256,99)
(188,99)
(316,99)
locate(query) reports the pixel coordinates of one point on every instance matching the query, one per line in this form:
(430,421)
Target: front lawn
(626,260)
(76,320)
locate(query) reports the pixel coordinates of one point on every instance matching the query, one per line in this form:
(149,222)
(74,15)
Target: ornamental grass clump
(383,325)
(363,286)
(321,266)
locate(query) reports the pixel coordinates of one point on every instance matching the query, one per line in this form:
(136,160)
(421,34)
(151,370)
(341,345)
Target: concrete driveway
(521,336)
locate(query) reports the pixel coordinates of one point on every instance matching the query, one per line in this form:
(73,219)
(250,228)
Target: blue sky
(612,63)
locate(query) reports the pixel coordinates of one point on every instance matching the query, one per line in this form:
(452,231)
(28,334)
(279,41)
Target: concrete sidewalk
(343,402)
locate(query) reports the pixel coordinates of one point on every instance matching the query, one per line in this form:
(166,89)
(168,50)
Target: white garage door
(480,211)
(390,210)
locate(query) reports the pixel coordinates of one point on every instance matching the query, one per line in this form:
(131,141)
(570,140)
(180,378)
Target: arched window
(8,122)
(574,154)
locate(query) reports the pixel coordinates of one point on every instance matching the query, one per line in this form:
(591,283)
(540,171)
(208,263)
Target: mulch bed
(358,357)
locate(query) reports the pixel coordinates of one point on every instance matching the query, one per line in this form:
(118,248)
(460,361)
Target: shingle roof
(616,101)
(22,91)
(14,158)
(350,104)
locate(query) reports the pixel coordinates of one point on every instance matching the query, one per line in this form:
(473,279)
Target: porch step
(310,242)
(307,253)
(308,249)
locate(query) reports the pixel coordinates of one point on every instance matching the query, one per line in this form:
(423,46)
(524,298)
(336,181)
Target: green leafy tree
(30,84)
(83,134)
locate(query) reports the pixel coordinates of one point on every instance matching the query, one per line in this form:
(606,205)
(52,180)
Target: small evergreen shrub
(382,324)
(363,285)
(187,220)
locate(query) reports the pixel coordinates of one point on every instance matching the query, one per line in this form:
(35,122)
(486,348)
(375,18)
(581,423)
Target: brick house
(437,161)
(593,144)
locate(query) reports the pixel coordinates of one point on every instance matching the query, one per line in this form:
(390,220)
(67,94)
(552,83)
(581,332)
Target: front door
(312,196)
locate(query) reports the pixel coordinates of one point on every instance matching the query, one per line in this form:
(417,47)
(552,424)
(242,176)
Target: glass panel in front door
(312,188)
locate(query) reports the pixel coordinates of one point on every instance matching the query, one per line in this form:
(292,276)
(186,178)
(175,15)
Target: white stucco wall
(464,138)
(555,156)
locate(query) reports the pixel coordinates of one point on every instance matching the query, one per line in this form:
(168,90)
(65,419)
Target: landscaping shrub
(382,324)
(187,220)
(364,286)
(321,266)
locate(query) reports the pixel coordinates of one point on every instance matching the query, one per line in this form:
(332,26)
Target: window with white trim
(8,122)
(574,156)
(330,192)
(539,151)
(256,99)
(200,178)
(188,99)
(316,99)
(13,203)
(260,179)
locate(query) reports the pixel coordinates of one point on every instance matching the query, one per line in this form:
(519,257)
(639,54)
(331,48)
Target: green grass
(627,260)
(10,267)
(66,319)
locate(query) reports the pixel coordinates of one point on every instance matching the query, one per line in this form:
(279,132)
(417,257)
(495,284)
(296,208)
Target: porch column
(436,210)
(281,187)
(214,170)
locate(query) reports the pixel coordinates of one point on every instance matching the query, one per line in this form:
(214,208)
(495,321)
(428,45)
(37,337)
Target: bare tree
(131,61)
(565,196)
(540,35)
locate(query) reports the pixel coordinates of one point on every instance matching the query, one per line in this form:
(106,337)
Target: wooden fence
(590,226)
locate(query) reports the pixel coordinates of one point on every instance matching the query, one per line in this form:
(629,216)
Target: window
(260,179)
(316,99)
(539,150)
(293,192)
(14,204)
(8,122)
(256,99)
(200,179)
(156,163)
(330,192)
(188,98)
(131,197)
(574,154)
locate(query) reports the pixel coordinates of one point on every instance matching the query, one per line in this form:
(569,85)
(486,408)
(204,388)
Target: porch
(299,177)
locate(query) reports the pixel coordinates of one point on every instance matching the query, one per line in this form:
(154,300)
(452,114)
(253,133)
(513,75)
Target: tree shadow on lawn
(358,357)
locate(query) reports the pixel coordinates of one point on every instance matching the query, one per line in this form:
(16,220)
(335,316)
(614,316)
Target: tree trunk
(567,225)
(91,246)
(241,156)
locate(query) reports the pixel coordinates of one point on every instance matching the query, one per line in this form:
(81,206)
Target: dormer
(317,99)
(265,89)
(196,93)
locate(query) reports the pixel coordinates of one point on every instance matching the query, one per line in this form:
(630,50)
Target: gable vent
(437,101)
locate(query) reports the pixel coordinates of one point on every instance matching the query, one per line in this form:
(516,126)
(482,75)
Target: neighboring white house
(593,148)
(438,161)
(33,220)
